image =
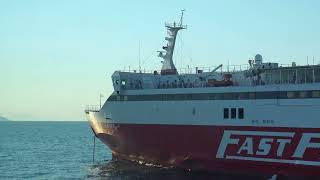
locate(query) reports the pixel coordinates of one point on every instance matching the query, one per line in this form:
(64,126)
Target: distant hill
(3,119)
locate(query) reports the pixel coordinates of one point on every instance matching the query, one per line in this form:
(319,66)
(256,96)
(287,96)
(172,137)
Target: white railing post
(280,78)
(296,77)
(305,76)
(313,79)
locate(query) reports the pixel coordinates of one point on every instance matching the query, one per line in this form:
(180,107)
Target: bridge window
(291,94)
(243,95)
(233,113)
(241,113)
(315,94)
(226,113)
(304,94)
(252,95)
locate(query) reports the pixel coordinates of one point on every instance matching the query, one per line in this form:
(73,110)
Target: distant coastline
(3,119)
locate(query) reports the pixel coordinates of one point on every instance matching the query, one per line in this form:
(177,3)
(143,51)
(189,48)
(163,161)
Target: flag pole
(100,100)
(101,95)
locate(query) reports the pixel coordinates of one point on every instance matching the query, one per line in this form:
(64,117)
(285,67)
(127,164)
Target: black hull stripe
(220,96)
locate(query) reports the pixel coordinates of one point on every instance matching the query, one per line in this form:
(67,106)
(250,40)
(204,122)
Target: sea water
(64,150)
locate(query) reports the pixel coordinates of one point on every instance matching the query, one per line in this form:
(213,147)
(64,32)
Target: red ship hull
(260,150)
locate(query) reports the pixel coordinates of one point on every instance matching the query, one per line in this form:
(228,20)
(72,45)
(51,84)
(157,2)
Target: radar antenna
(168,66)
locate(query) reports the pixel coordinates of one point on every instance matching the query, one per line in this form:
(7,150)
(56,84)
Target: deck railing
(92,108)
(195,70)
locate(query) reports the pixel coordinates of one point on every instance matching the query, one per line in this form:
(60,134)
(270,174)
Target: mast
(168,67)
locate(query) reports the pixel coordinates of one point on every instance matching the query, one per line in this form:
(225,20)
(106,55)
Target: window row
(219,96)
(233,112)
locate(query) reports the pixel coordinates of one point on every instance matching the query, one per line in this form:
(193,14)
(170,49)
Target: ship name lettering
(260,144)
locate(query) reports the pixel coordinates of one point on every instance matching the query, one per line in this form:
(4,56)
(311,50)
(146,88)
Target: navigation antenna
(139,59)
(168,67)
(181,18)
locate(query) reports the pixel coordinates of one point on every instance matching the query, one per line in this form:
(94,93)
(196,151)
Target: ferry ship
(259,118)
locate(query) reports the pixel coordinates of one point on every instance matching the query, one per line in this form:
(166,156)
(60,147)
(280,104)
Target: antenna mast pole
(139,59)
(181,18)
(168,66)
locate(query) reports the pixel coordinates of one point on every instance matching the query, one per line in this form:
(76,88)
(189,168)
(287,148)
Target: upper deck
(239,75)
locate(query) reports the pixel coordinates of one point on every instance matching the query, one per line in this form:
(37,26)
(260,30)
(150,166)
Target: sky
(57,56)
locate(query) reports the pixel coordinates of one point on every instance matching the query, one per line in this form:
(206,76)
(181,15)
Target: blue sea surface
(64,150)
(42,150)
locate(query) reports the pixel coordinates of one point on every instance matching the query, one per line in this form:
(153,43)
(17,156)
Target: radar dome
(258,59)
